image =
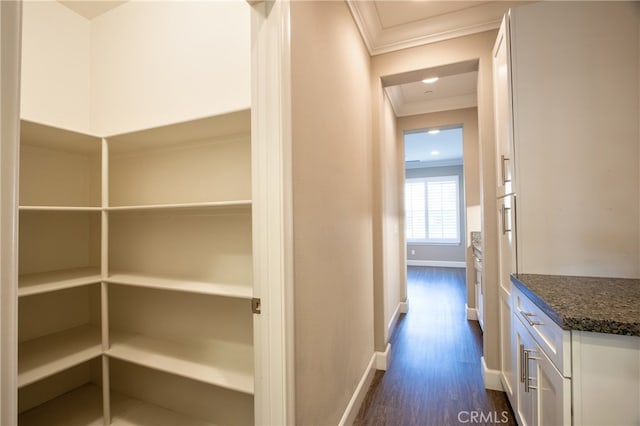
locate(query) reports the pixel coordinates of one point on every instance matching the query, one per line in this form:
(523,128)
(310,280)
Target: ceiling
(422,149)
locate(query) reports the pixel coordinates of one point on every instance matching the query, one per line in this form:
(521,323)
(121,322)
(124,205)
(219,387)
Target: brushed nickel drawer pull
(527,316)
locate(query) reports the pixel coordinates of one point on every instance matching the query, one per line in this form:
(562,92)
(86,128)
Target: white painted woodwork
(136,255)
(42,396)
(553,393)
(205,160)
(44,356)
(58,168)
(30,284)
(575,84)
(526,402)
(604,386)
(81,406)
(272,212)
(553,340)
(143,396)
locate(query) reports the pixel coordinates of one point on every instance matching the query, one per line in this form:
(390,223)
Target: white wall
(332,229)
(161,62)
(140,65)
(55,66)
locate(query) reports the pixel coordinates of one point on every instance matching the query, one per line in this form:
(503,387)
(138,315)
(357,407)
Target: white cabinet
(566,84)
(136,275)
(541,353)
(502,110)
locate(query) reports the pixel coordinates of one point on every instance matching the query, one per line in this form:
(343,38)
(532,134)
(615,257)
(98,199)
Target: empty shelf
(126,411)
(47,355)
(29,284)
(221,364)
(175,284)
(79,407)
(60,208)
(186,206)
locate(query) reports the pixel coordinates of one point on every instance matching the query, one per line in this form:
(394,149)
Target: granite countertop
(602,305)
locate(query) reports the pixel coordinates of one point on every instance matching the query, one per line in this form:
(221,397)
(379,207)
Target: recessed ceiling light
(430,80)
(435,152)
(433,131)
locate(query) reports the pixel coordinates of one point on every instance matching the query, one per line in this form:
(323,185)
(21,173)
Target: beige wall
(468,117)
(393,251)
(331,144)
(140,65)
(55,86)
(473,47)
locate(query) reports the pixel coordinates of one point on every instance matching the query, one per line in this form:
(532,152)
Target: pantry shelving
(136,262)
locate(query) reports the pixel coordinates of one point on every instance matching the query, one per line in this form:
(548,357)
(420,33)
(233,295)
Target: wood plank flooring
(434,377)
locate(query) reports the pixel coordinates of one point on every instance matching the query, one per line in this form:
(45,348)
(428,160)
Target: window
(432,209)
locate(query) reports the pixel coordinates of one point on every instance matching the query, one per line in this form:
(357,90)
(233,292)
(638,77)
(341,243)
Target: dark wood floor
(434,377)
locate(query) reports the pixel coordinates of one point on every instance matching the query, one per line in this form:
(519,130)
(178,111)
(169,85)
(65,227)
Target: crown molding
(404,109)
(379,40)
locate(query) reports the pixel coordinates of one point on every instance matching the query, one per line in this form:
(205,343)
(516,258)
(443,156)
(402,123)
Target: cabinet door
(502,110)
(524,356)
(506,364)
(507,265)
(554,393)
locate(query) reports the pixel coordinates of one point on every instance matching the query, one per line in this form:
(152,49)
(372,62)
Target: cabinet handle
(503,163)
(527,316)
(505,210)
(527,379)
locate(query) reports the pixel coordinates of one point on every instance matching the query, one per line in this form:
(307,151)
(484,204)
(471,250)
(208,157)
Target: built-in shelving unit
(135,279)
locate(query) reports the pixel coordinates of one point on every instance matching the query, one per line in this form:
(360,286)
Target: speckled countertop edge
(602,305)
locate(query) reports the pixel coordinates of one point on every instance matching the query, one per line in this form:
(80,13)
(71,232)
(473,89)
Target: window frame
(434,241)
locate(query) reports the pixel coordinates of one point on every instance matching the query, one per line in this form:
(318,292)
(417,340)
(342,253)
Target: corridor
(434,377)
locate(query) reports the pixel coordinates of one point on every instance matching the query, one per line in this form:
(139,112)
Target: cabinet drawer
(554,341)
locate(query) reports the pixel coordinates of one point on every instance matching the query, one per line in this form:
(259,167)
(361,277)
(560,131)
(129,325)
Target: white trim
(472,313)
(439,263)
(383,358)
(10,35)
(355,402)
(272,212)
(393,320)
(379,40)
(404,307)
(491,378)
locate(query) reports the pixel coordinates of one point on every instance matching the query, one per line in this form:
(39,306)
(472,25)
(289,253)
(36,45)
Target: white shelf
(60,208)
(174,284)
(47,355)
(80,407)
(186,206)
(128,411)
(217,363)
(30,284)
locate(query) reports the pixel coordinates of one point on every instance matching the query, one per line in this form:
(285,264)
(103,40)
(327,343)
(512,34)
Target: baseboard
(439,263)
(359,394)
(491,377)
(472,313)
(394,319)
(404,307)
(383,358)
